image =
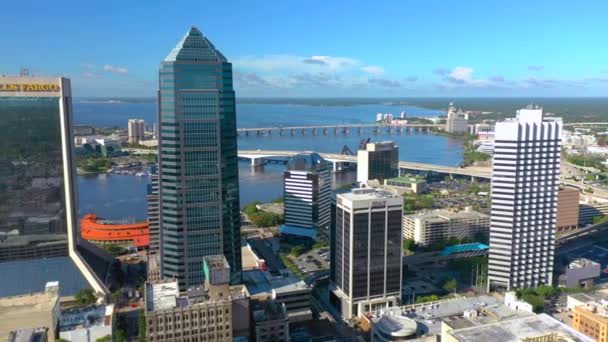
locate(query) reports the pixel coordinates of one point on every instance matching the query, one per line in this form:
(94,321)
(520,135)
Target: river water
(123,197)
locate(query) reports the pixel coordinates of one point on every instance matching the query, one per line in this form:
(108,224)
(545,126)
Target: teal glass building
(198,171)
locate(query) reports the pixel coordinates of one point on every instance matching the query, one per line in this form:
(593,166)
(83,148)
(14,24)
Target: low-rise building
(433,226)
(31,311)
(567,209)
(432,318)
(393,327)
(87,324)
(580,273)
(592,320)
(414,184)
(215,312)
(284,289)
(578,299)
(271,321)
(535,328)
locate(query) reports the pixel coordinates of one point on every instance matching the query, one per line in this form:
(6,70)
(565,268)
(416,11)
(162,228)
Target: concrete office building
(433,226)
(37,175)
(307,194)
(379,161)
(365,253)
(567,209)
(136,131)
(270,321)
(31,311)
(215,312)
(580,273)
(525,183)
(457,121)
(198,171)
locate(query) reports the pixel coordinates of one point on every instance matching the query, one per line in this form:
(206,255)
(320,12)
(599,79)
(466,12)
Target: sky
(404,48)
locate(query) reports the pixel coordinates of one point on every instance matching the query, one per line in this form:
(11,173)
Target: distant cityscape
(509,245)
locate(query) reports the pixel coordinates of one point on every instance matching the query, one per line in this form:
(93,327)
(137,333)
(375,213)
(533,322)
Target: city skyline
(394,49)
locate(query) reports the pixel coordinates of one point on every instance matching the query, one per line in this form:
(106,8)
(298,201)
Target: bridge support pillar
(246,133)
(303,131)
(314,131)
(293,131)
(257,161)
(270,131)
(281,132)
(337,166)
(360,130)
(346,130)
(336,130)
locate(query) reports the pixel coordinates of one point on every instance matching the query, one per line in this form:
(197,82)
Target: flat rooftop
(30,276)
(442,215)
(363,194)
(259,282)
(515,330)
(429,315)
(408,179)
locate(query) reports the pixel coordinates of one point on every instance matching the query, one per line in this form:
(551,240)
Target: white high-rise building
(307,195)
(525,182)
(136,129)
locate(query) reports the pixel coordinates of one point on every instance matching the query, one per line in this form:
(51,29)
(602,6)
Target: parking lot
(313,260)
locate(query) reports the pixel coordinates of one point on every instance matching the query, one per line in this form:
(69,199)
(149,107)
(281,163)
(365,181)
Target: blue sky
(320,48)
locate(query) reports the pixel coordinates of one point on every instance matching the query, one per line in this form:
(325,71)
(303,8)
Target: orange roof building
(93,228)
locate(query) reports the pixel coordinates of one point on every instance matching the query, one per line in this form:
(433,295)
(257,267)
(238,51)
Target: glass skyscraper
(39,239)
(198,171)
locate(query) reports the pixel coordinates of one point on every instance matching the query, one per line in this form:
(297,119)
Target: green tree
(425,299)
(450,285)
(537,302)
(107,338)
(409,245)
(86,297)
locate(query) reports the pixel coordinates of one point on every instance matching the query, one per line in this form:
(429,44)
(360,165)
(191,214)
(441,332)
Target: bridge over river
(259,157)
(339,129)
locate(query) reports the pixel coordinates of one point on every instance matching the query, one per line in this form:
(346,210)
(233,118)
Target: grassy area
(95,164)
(290,265)
(261,218)
(413,202)
(587,161)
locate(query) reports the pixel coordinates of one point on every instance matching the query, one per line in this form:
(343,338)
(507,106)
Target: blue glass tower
(198,171)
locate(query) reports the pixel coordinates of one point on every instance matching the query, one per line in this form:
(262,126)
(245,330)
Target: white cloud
(115,70)
(373,69)
(461,74)
(278,63)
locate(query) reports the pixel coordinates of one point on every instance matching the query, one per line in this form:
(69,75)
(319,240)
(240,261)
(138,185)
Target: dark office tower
(366,251)
(39,240)
(153,213)
(198,173)
(378,160)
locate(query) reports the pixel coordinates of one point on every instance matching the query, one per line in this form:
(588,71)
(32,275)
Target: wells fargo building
(38,232)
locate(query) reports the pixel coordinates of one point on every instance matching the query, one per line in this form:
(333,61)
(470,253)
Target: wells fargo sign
(29,87)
